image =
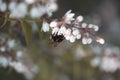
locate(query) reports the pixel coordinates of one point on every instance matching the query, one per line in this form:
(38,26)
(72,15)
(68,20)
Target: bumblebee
(56,39)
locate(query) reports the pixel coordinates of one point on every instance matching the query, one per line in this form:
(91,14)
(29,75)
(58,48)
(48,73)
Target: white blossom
(67,37)
(95,27)
(90,26)
(37,12)
(68,17)
(78,36)
(12,5)
(109,64)
(19,54)
(3,61)
(68,31)
(73,29)
(11,43)
(107,58)
(100,40)
(84,25)
(55,30)
(45,26)
(18,66)
(75,32)
(34,12)
(51,7)
(72,39)
(89,40)
(79,19)
(53,24)
(30,1)
(86,40)
(3,49)
(95,61)
(19,11)
(3,6)
(62,30)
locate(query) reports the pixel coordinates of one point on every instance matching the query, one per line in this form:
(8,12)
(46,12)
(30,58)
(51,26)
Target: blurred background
(68,61)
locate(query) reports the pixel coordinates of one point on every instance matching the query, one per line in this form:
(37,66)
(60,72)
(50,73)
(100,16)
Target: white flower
(84,25)
(45,26)
(68,32)
(79,19)
(75,32)
(68,13)
(51,7)
(68,17)
(53,24)
(22,7)
(2,49)
(3,7)
(18,66)
(90,26)
(72,39)
(72,28)
(67,37)
(86,40)
(95,62)
(12,5)
(42,10)
(62,30)
(19,54)
(3,61)
(34,12)
(109,64)
(89,40)
(100,40)
(20,11)
(95,27)
(30,1)
(55,30)
(78,36)
(11,43)
(37,12)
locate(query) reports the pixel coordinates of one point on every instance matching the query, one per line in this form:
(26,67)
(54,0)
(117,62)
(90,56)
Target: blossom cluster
(107,59)
(73,28)
(69,27)
(13,56)
(33,8)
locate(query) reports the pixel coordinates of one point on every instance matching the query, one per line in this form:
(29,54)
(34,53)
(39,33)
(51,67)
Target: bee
(56,39)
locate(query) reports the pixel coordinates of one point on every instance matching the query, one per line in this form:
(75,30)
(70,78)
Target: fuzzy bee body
(56,39)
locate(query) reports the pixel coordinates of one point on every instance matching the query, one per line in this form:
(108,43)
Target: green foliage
(10,74)
(27,28)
